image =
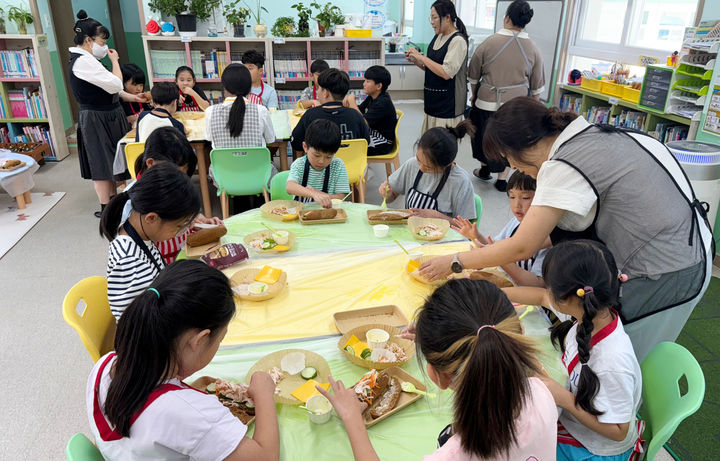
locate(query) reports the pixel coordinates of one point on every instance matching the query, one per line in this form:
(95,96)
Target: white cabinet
(406,78)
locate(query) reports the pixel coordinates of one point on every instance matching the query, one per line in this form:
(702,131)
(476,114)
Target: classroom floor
(44,365)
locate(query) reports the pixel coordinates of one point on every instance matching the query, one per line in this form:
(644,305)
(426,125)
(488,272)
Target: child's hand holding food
(322,198)
(261,386)
(345,401)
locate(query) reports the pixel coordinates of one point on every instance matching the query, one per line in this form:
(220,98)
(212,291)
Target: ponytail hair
(187,295)
(237,81)
(163,190)
(519,124)
(489,366)
(574,265)
(167,144)
(88,27)
(440,144)
(447,8)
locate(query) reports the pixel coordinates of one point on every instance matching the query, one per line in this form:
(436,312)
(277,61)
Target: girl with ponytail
(473,343)
(236,122)
(138,405)
(163,203)
(433,185)
(604,381)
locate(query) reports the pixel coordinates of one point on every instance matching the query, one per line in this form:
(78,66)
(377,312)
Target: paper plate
(292,238)
(416,222)
(290,383)
(201,384)
(267,209)
(407,346)
(248,276)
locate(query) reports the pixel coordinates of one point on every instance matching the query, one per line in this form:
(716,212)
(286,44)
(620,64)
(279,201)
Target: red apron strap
(602,334)
(565,438)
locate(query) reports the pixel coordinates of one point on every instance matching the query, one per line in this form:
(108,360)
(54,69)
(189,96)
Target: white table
(19,182)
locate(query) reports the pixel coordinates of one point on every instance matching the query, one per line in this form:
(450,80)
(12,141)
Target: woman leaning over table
(445,66)
(619,187)
(101,121)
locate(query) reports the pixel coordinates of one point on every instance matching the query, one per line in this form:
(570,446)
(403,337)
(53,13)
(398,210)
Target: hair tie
(78,30)
(581,292)
(484,326)
(623,278)
(154,291)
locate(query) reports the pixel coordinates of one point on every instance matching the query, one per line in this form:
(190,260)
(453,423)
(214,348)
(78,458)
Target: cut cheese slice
(352,341)
(289,216)
(359,347)
(307,390)
(268,275)
(412,265)
(281,248)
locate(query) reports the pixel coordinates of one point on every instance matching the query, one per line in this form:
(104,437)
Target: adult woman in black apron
(445,66)
(101,122)
(593,182)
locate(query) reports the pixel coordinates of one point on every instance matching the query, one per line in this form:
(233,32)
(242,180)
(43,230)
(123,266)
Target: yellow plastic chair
(353,152)
(133,150)
(391,159)
(96,324)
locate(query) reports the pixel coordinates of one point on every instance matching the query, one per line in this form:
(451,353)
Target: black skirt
(97,136)
(480,118)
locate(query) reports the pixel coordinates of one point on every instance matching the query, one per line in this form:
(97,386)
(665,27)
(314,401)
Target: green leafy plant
(236,14)
(200,8)
(284,27)
(304,13)
(20,15)
(328,15)
(257,12)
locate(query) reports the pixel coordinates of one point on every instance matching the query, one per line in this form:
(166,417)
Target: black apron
(439,94)
(416,199)
(306,174)
(140,243)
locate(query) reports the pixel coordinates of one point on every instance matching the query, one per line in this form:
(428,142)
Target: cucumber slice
(350,349)
(308,373)
(210,388)
(365,354)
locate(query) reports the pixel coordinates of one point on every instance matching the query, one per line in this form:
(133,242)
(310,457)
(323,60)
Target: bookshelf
(287,60)
(29,108)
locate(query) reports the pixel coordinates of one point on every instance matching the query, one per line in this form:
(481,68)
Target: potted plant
(186,13)
(260,29)
(303,19)
(284,27)
(237,16)
(327,16)
(21,17)
(3,30)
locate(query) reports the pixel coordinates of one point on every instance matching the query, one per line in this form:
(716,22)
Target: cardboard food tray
(248,276)
(266,208)
(201,385)
(405,399)
(416,222)
(339,218)
(292,238)
(200,251)
(290,383)
(407,346)
(503,281)
(422,259)
(385,315)
(12,168)
(371,214)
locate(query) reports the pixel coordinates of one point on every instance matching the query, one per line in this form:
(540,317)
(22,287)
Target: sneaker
(501,185)
(483,173)
(98,214)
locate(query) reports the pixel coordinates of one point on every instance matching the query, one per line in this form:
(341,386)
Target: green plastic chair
(240,171)
(80,448)
(664,408)
(278,185)
(478,208)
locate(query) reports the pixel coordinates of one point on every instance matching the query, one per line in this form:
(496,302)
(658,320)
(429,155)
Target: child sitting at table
(600,403)
(378,110)
(318,175)
(190,97)
(308,97)
(163,203)
(261,92)
(164,97)
(433,185)
(520,192)
(473,343)
(133,83)
(137,404)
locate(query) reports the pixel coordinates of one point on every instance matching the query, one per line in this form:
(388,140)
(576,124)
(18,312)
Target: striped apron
(306,174)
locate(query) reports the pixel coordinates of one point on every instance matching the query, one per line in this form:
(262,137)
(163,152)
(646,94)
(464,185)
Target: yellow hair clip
(580,292)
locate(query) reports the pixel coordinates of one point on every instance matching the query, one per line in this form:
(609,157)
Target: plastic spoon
(527,311)
(407,386)
(269,228)
(401,247)
(384,202)
(345,198)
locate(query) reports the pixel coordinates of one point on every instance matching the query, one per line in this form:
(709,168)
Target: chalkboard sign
(656,88)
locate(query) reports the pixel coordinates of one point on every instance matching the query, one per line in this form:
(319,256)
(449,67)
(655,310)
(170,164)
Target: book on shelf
(665,132)
(214,96)
(359,61)
(290,65)
(288,99)
(27,133)
(19,64)
(212,63)
(166,62)
(598,114)
(571,103)
(631,119)
(26,103)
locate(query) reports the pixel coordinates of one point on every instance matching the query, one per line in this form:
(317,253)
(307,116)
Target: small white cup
(319,408)
(337,203)
(377,338)
(381,230)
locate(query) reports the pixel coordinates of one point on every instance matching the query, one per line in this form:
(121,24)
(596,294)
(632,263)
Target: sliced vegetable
(210,388)
(350,349)
(268,244)
(308,373)
(365,354)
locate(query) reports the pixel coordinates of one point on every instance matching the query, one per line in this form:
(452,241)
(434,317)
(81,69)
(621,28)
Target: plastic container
(377,338)
(381,230)
(337,203)
(629,94)
(319,408)
(590,84)
(358,33)
(613,89)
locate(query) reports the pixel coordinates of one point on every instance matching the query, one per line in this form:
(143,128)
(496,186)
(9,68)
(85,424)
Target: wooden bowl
(407,346)
(248,276)
(292,238)
(416,222)
(292,382)
(267,208)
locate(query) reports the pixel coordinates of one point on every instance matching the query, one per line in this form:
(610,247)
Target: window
(408,15)
(605,26)
(659,24)
(478,15)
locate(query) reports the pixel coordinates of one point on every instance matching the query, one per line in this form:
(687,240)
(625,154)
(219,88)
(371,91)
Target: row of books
(212,63)
(666,133)
(24,103)
(287,99)
(598,114)
(27,133)
(290,65)
(631,119)
(359,61)
(214,96)
(19,64)
(570,103)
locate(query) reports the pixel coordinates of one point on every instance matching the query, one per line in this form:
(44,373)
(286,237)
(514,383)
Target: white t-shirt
(613,361)
(536,431)
(180,425)
(561,186)
(533,264)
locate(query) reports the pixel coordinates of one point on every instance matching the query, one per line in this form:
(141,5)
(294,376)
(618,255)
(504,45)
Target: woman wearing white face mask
(101,122)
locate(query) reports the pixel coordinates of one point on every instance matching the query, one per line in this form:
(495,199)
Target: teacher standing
(101,121)
(504,66)
(623,188)
(445,66)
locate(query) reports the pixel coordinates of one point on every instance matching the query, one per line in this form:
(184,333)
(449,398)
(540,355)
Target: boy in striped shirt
(319,176)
